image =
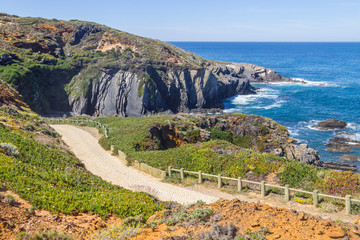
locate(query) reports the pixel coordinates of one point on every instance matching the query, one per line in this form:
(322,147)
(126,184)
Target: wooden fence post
(262,189)
(348,204)
(315,198)
(182,174)
(287,193)
(200,177)
(169,171)
(219,181)
(239,184)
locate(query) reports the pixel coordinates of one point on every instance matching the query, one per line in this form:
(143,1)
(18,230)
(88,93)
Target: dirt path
(112,169)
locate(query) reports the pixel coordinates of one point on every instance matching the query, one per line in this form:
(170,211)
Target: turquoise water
(333,74)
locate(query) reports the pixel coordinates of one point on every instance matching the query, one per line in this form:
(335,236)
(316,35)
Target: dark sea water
(333,90)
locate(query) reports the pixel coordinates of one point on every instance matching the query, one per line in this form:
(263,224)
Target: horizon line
(264,41)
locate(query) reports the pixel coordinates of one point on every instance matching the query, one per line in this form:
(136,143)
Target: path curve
(112,169)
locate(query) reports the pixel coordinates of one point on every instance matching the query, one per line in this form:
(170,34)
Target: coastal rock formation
(265,134)
(349,157)
(246,131)
(331,124)
(79,67)
(9,97)
(303,154)
(343,143)
(339,149)
(340,166)
(262,74)
(127,94)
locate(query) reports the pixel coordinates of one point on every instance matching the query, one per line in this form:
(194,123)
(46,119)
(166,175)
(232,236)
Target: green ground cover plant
(221,155)
(53,179)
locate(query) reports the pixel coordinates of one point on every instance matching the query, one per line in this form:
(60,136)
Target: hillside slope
(88,68)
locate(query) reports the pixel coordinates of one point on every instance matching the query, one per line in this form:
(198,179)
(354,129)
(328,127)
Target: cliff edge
(88,68)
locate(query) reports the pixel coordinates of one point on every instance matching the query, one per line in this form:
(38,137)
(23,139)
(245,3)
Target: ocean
(332,73)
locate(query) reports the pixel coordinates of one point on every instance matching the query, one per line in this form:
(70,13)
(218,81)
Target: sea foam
(305,83)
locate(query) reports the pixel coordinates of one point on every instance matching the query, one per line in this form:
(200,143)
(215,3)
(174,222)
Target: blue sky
(199,20)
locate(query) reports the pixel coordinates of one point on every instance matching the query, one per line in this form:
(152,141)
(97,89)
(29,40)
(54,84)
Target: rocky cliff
(175,90)
(87,68)
(246,131)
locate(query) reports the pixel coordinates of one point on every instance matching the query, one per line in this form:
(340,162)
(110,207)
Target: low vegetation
(222,154)
(34,165)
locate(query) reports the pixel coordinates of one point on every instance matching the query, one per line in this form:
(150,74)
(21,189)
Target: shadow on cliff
(43,89)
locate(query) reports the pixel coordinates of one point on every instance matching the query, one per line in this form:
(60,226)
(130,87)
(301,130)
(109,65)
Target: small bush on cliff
(299,175)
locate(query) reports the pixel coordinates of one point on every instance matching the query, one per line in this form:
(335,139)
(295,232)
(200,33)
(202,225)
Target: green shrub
(9,199)
(51,235)
(117,232)
(299,175)
(201,214)
(9,149)
(54,180)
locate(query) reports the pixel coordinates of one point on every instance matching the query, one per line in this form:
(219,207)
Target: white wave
(300,141)
(311,125)
(314,83)
(352,136)
(293,131)
(263,93)
(274,105)
(353,126)
(232,110)
(305,83)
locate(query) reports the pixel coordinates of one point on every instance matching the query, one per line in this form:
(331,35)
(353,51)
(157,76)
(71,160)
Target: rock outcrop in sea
(331,124)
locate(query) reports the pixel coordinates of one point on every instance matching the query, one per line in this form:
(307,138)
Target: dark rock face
(304,154)
(331,124)
(5,59)
(82,31)
(349,157)
(178,90)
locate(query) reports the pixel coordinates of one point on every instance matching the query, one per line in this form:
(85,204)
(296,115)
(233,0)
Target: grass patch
(53,179)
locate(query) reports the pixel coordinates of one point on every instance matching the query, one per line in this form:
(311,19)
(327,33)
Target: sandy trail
(112,169)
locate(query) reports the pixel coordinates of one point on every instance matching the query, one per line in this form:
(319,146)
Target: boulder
(331,124)
(339,149)
(350,157)
(335,233)
(5,59)
(303,154)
